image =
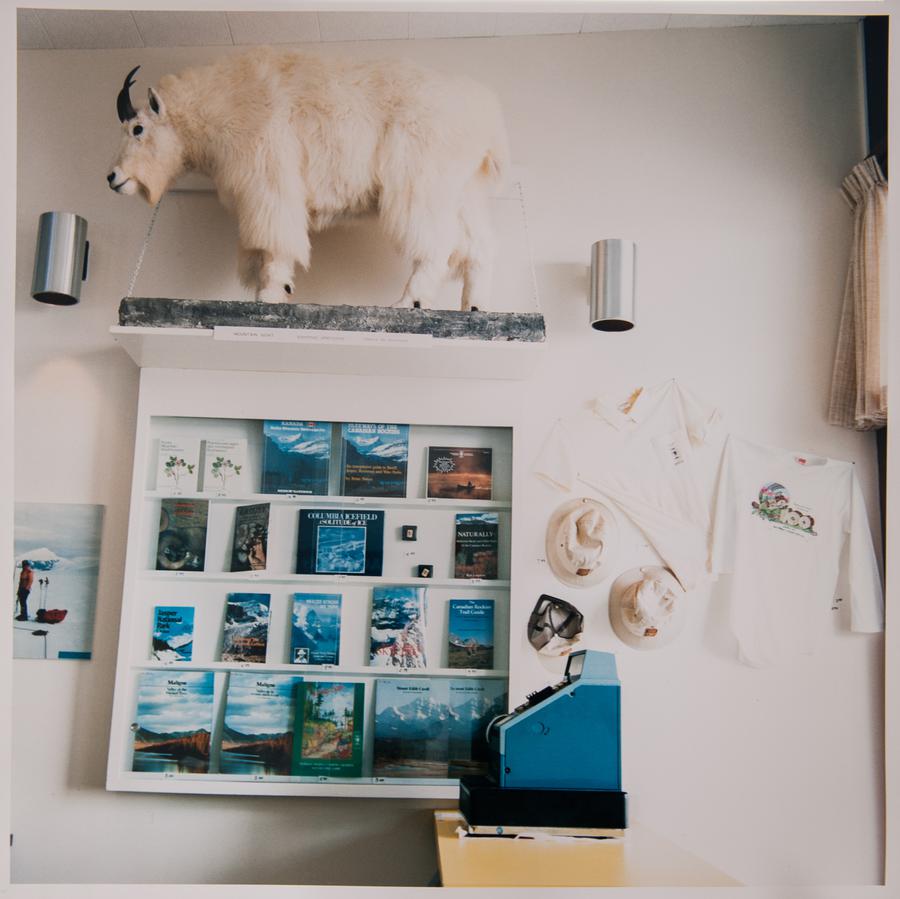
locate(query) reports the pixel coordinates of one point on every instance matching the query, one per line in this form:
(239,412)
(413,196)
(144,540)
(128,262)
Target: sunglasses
(552,617)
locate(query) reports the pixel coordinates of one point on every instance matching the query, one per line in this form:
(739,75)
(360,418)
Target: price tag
(541,561)
(179,574)
(328,667)
(259,777)
(380,780)
(431,501)
(169,775)
(244,664)
(476,580)
(472,671)
(255,575)
(322,779)
(360,500)
(340,577)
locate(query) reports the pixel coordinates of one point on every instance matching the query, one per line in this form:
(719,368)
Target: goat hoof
(417,305)
(288,289)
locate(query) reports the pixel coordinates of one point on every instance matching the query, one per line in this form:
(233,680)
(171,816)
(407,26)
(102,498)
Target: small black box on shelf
(409,532)
(425,571)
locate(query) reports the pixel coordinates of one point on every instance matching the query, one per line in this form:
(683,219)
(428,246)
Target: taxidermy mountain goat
(293,142)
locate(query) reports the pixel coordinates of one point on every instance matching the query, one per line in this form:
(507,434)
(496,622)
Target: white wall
(720,153)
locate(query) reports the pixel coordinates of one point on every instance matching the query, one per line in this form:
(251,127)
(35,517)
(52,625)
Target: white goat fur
(293,141)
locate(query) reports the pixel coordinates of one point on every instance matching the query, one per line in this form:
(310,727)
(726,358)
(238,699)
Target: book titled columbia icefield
(316,629)
(333,541)
(470,629)
(173,722)
(374,459)
(329,740)
(398,627)
(476,545)
(245,633)
(173,633)
(257,736)
(296,457)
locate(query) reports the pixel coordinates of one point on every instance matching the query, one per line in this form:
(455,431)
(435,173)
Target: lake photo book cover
(173,722)
(459,472)
(333,541)
(296,457)
(374,459)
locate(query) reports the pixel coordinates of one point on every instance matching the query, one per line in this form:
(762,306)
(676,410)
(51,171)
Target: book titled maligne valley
(181,545)
(173,633)
(251,537)
(296,456)
(476,545)
(470,629)
(374,459)
(330,730)
(245,633)
(340,541)
(398,627)
(257,737)
(459,472)
(173,722)
(316,629)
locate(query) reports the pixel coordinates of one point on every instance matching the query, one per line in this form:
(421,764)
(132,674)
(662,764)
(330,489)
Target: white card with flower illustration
(224,464)
(178,469)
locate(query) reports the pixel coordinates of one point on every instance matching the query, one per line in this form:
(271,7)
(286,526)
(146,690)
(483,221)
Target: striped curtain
(858,386)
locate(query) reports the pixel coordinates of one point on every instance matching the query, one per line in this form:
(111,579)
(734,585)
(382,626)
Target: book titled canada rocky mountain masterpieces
(296,457)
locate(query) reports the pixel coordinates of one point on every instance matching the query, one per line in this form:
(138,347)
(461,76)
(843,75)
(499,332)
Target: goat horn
(123,102)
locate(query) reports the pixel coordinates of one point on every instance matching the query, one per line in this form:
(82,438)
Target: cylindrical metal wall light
(612,285)
(61,259)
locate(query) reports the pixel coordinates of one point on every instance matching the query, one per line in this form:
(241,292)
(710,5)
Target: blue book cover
(411,728)
(245,634)
(473,702)
(340,541)
(398,627)
(374,459)
(329,730)
(316,629)
(257,736)
(173,633)
(470,630)
(296,455)
(173,722)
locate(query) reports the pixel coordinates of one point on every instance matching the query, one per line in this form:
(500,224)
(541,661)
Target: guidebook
(245,633)
(411,727)
(316,629)
(181,545)
(258,733)
(470,630)
(251,537)
(173,722)
(224,462)
(374,459)
(340,542)
(179,465)
(398,627)
(476,545)
(459,472)
(173,633)
(296,456)
(474,703)
(329,740)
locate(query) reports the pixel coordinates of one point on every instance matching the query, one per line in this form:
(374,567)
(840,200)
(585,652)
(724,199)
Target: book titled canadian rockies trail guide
(296,456)
(316,629)
(173,633)
(245,634)
(329,740)
(476,545)
(178,468)
(181,545)
(459,472)
(251,537)
(398,627)
(470,630)
(257,736)
(374,459)
(331,541)
(173,722)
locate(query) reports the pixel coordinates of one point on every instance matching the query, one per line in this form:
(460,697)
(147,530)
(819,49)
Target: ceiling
(75,29)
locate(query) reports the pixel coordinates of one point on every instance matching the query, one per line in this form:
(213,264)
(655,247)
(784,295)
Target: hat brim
(674,623)
(556,557)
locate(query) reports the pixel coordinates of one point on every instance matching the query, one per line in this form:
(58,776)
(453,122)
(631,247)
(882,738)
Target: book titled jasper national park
(173,633)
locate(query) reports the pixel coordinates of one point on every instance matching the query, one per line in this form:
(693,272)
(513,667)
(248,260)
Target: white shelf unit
(145,588)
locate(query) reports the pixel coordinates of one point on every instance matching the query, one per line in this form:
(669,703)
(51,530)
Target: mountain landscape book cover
(374,459)
(476,545)
(398,627)
(173,633)
(342,541)
(316,629)
(296,457)
(474,703)
(459,472)
(411,728)
(178,468)
(330,728)
(173,722)
(181,545)
(245,633)
(470,633)
(224,465)
(250,543)
(258,733)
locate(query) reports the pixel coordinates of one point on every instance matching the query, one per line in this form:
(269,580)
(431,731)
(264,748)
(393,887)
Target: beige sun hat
(646,607)
(581,538)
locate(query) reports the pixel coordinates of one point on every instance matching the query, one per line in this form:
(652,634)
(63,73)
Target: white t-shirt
(641,455)
(781,518)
